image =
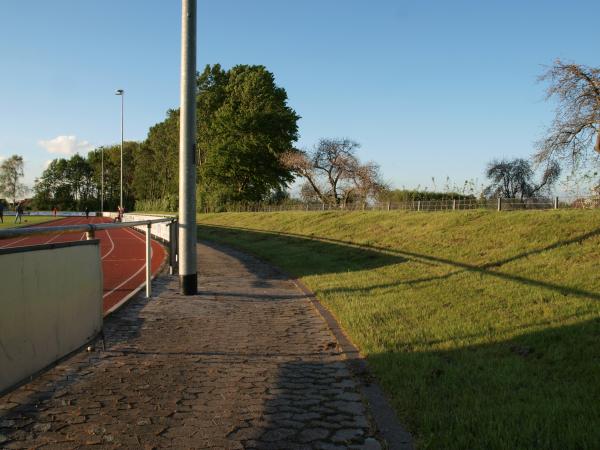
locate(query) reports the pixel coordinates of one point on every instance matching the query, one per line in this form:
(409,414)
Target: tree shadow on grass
(313,255)
(304,256)
(536,390)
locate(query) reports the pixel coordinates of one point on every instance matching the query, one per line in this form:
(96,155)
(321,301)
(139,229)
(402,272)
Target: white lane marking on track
(143,239)
(13,242)
(74,222)
(111,243)
(22,239)
(125,282)
(139,270)
(135,234)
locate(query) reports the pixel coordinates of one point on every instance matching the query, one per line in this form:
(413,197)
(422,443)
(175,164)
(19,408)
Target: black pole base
(188,284)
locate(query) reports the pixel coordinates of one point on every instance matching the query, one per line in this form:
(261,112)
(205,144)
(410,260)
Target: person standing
(1,212)
(87,212)
(19,216)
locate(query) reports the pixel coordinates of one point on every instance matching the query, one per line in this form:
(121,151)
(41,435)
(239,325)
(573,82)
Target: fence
(90,229)
(496,204)
(52,297)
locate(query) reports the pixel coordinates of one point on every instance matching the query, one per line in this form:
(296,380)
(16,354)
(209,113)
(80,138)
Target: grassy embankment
(9,221)
(483,327)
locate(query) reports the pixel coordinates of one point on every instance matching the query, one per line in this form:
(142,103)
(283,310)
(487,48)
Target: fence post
(388,206)
(148,261)
(499,203)
(454,205)
(555,202)
(418,205)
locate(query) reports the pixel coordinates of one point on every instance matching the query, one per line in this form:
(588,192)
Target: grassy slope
(484,328)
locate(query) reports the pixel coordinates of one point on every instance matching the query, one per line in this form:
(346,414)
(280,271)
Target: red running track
(123,253)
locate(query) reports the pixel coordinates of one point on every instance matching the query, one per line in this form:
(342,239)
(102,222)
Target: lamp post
(102,180)
(121,92)
(188,273)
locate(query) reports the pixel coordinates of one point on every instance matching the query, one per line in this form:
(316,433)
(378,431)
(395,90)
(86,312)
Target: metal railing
(90,230)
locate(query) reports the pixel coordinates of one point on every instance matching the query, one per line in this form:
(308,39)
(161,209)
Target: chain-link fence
(497,204)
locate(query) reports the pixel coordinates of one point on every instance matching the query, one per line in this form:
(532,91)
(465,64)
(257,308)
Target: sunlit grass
(483,327)
(9,221)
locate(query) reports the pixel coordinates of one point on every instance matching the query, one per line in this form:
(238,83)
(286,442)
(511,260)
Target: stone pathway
(247,363)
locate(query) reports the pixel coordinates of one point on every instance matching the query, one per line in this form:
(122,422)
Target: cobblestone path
(248,363)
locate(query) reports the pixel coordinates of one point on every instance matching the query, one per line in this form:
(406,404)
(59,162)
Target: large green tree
(244,124)
(248,133)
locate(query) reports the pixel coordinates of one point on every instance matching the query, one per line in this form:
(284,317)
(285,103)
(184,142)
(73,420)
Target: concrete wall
(50,305)
(159,230)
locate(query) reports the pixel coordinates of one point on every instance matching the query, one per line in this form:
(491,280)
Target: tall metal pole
(188,276)
(102,182)
(122,102)
(121,92)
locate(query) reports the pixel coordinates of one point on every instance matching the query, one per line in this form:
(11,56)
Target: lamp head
(119,92)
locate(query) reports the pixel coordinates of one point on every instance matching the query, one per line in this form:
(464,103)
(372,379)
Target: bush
(169,203)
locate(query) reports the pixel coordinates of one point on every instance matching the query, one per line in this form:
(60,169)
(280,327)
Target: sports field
(122,251)
(9,221)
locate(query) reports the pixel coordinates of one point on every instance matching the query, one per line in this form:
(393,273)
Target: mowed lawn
(483,327)
(9,221)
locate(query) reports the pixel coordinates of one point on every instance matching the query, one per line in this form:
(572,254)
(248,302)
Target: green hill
(483,327)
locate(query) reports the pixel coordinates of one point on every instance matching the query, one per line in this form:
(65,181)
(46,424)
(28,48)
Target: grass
(9,221)
(483,327)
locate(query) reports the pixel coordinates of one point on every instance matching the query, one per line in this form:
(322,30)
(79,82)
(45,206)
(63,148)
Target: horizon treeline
(244,124)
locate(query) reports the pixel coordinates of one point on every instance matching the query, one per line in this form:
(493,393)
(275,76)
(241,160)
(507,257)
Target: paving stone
(347,435)
(313,434)
(246,363)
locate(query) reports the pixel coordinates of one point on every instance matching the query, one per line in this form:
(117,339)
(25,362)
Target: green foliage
(165,204)
(252,127)
(156,173)
(483,327)
(406,195)
(75,183)
(244,125)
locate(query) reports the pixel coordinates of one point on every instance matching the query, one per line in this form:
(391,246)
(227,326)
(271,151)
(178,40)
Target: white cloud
(66,145)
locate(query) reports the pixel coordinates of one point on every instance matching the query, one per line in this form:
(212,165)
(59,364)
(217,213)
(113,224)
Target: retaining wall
(50,305)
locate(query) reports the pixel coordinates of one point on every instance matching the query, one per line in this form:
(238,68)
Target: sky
(430,89)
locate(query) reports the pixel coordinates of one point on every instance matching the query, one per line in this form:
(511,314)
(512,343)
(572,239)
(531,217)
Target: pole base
(188,284)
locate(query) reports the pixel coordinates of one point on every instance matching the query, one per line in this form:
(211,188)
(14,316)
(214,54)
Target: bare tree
(512,179)
(577,121)
(364,181)
(11,171)
(333,172)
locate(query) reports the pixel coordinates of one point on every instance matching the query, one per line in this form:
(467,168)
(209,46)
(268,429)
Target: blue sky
(429,88)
